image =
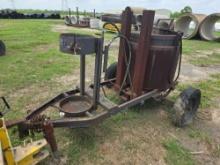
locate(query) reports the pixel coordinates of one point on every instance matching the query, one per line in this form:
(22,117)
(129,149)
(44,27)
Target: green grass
(192,46)
(177,154)
(213,59)
(198,134)
(217,151)
(201,53)
(209,89)
(82,141)
(217,34)
(32,54)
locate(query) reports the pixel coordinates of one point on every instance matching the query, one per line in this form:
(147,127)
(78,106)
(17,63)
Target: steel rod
(106,55)
(138,99)
(97,74)
(82,74)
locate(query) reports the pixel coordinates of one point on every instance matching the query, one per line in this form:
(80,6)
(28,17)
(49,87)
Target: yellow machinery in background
(28,154)
(112,28)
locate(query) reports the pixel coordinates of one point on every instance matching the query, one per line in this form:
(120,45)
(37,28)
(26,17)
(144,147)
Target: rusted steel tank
(153,58)
(162,61)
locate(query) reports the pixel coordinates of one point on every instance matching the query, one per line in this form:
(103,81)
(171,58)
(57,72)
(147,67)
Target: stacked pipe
(12,14)
(161,20)
(198,26)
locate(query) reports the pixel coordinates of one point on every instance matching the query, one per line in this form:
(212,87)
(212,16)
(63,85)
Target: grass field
(217,34)
(34,70)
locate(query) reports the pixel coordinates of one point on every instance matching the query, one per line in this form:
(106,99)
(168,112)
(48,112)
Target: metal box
(78,44)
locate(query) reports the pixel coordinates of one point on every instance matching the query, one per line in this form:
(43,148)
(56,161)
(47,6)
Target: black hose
(127,61)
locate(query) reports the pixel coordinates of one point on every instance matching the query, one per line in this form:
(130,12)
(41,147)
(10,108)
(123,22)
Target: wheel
(111,72)
(2,48)
(186,106)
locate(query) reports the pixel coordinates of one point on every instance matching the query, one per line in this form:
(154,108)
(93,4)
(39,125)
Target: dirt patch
(203,53)
(206,53)
(135,142)
(193,73)
(212,118)
(190,72)
(216,116)
(200,150)
(65,29)
(69,79)
(74,78)
(61,28)
(217,51)
(134,146)
(208,141)
(45,48)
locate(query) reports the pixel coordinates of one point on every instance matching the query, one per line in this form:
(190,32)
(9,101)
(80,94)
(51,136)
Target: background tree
(176,14)
(186,9)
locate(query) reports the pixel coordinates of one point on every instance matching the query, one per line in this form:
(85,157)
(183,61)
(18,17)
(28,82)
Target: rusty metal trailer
(148,67)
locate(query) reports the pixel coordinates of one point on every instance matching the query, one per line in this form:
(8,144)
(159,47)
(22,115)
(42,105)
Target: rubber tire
(111,72)
(2,48)
(186,106)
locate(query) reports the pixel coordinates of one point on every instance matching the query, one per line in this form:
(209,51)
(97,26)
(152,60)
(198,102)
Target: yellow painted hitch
(30,153)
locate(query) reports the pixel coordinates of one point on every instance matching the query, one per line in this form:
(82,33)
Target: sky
(198,6)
